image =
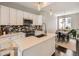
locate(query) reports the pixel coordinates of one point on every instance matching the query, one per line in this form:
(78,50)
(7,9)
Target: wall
(74,20)
(50,22)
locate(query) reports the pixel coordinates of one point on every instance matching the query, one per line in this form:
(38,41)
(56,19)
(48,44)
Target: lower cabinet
(77,47)
(46,48)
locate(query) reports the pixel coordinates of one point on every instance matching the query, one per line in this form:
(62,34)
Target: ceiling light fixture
(41,5)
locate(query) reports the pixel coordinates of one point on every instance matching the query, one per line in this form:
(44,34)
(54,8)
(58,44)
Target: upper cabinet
(13,16)
(25,16)
(28,16)
(37,20)
(4,15)
(19,19)
(31,16)
(34,19)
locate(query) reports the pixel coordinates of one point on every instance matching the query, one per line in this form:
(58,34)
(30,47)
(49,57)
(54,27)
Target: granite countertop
(28,42)
(10,34)
(25,42)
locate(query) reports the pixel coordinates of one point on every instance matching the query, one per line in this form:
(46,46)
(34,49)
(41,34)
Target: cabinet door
(42,49)
(39,20)
(26,16)
(4,16)
(19,17)
(13,16)
(30,16)
(34,19)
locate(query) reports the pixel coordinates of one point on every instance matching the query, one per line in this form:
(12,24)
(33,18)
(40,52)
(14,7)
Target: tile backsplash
(18,28)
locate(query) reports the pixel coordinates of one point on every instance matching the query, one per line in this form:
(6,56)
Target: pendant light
(39,6)
(50,11)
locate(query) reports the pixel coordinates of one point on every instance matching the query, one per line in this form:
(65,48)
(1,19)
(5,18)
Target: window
(64,23)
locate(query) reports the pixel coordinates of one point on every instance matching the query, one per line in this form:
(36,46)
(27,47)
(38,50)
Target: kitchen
(34,28)
(20,31)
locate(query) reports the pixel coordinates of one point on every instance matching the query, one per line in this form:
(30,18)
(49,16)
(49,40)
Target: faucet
(44,28)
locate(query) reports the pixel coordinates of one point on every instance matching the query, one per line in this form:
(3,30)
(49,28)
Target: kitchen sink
(41,35)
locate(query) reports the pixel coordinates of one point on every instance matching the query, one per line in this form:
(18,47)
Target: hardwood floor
(61,51)
(70,45)
(66,48)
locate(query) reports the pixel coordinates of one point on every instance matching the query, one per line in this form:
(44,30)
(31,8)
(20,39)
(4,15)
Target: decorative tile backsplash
(18,28)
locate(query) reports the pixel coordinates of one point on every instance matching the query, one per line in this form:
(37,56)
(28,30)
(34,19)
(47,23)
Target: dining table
(64,35)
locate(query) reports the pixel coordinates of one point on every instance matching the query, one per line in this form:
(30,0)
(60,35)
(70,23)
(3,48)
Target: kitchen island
(33,46)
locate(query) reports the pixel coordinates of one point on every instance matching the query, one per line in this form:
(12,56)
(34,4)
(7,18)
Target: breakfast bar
(34,46)
(37,46)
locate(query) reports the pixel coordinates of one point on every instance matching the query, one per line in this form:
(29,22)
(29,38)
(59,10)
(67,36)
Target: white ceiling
(27,4)
(63,7)
(58,7)
(32,5)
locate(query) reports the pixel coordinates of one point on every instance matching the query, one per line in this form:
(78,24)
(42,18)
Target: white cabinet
(13,16)
(34,19)
(4,15)
(28,16)
(37,20)
(25,16)
(31,16)
(19,19)
(46,48)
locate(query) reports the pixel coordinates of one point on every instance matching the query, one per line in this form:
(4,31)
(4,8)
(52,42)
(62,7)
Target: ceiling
(32,5)
(57,7)
(63,7)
